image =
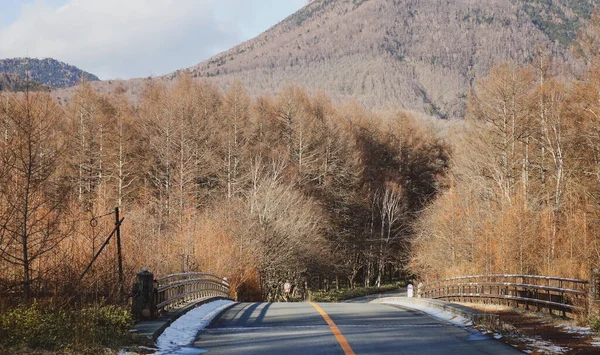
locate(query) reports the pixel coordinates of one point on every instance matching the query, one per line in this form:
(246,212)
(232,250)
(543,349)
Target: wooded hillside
(10,82)
(48,72)
(419,55)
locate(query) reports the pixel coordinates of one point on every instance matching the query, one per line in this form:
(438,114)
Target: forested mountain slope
(419,55)
(48,71)
(10,82)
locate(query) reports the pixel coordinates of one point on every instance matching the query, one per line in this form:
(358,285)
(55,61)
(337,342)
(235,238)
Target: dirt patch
(537,333)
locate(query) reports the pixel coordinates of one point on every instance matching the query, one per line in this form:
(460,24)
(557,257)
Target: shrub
(595,324)
(87,330)
(103,325)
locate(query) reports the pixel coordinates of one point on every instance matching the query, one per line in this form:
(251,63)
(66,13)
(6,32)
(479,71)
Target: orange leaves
(258,190)
(525,174)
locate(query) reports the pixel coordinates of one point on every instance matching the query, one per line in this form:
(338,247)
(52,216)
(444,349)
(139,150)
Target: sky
(122,39)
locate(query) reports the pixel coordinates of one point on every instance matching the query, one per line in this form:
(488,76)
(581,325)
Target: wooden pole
(119,255)
(101,248)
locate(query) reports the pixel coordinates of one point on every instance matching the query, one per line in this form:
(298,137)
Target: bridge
(371,325)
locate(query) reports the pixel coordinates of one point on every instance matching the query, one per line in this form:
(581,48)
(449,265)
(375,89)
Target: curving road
(338,328)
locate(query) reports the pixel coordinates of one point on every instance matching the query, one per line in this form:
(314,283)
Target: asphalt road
(299,328)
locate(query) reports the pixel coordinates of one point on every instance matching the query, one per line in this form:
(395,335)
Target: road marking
(284,327)
(335,330)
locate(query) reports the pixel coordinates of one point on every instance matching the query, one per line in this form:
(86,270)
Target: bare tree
(34,195)
(392,210)
(86,153)
(236,111)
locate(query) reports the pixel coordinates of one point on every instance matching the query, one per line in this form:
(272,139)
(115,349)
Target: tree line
(292,187)
(524,178)
(261,190)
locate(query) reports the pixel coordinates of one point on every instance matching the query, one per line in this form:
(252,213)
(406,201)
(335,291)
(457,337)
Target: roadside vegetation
(93,329)
(343,294)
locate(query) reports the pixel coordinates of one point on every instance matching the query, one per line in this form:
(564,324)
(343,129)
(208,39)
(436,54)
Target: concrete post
(143,305)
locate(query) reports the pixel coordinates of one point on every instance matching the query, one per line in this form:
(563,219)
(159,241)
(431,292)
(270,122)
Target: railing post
(595,285)
(594,289)
(143,305)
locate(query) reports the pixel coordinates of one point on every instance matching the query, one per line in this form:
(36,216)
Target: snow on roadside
(583,331)
(176,338)
(538,344)
(572,329)
(532,342)
(543,346)
(434,312)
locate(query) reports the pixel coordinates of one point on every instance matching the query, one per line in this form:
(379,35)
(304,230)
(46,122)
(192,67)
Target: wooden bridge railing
(178,289)
(530,291)
(152,297)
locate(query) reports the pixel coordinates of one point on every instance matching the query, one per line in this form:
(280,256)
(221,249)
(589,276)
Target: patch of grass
(91,330)
(349,293)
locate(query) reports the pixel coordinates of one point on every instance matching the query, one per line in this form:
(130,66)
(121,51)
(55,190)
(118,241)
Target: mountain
(421,55)
(560,20)
(49,72)
(11,82)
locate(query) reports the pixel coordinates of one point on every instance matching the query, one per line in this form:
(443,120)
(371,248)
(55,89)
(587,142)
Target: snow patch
(571,329)
(543,346)
(583,331)
(176,339)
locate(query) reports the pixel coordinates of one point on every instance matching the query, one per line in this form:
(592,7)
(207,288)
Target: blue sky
(12,8)
(133,38)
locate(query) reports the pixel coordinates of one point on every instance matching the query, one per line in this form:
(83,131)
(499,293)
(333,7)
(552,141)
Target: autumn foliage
(292,187)
(523,194)
(261,190)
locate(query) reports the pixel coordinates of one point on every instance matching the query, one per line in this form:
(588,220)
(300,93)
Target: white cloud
(133,38)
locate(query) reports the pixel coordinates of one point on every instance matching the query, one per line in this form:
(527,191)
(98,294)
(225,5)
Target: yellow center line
(335,330)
